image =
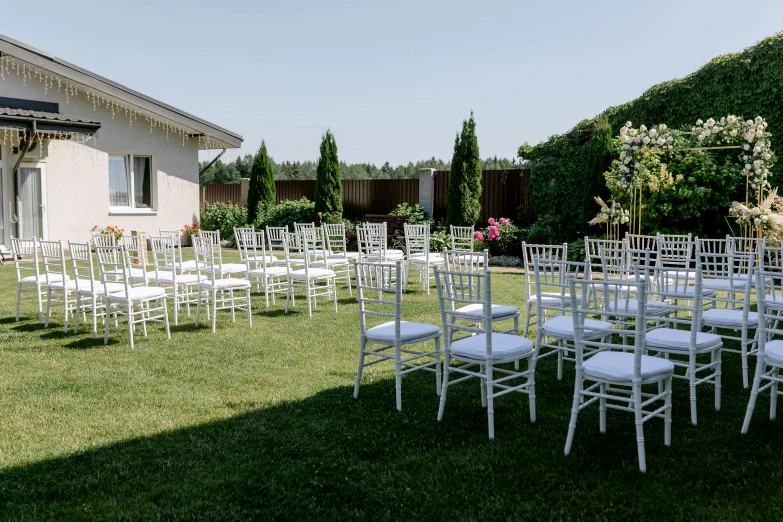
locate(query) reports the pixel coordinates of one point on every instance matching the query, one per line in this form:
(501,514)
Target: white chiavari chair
(137,304)
(606,372)
(418,255)
(275,237)
(88,286)
(167,273)
(337,242)
(260,267)
(60,288)
(321,258)
(186,266)
(221,269)
(216,292)
(730,311)
(379,293)
(480,351)
(554,252)
(555,333)
(316,282)
(769,358)
(461,238)
(680,338)
(29,279)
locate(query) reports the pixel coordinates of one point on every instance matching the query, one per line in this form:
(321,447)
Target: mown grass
(262,424)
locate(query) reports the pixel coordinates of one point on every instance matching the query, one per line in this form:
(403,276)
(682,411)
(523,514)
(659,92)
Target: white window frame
(114,210)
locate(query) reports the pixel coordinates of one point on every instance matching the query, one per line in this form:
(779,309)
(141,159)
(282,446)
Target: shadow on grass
(330,456)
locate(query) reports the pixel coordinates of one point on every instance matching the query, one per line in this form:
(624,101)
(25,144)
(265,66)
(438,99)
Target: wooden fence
(504,192)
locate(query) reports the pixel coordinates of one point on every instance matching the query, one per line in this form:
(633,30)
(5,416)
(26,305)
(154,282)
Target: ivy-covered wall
(746,84)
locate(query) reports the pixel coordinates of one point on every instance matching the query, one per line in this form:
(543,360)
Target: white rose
(636,165)
(699,122)
(746,147)
(710,122)
(759,119)
(733,132)
(645,140)
(757,221)
(628,124)
(642,128)
(747,166)
(767,156)
(653,132)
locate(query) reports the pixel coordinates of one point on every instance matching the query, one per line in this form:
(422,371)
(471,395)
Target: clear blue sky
(392,79)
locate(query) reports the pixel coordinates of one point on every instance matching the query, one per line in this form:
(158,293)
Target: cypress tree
(464,192)
(261,191)
(328,185)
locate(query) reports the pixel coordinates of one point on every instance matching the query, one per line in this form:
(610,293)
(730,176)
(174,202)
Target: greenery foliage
(328,185)
(286,213)
(261,190)
(464,192)
(745,84)
(223,217)
(416,213)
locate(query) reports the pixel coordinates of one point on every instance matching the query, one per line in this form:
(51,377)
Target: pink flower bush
(478,236)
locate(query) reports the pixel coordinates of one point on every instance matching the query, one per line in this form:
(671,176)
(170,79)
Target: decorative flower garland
(756,154)
(638,143)
(613,213)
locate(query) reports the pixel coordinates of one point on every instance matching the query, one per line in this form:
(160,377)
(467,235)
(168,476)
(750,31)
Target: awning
(45,122)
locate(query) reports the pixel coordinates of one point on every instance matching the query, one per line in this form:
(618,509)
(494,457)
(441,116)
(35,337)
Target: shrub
(416,212)
(223,217)
(576,250)
(507,261)
(439,240)
(328,185)
(286,213)
(464,192)
(539,233)
(501,238)
(261,191)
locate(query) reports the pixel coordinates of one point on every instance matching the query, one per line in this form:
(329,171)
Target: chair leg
(106,324)
(65,310)
(574,411)
(490,403)
(198,307)
(78,313)
(19,302)
(602,408)
(527,319)
(692,381)
(483,386)
(249,310)
(362,345)
(637,406)
(48,306)
(717,357)
(773,400)
(309,298)
(130,322)
(560,361)
(176,305)
(214,310)
(39,297)
(334,293)
(445,387)
(95,316)
(437,366)
(398,375)
(667,419)
(531,387)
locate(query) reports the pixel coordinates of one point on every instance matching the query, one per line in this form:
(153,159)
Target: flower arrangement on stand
(188,231)
(109,229)
(766,218)
(613,215)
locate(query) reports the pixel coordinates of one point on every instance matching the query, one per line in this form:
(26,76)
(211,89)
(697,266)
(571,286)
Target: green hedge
(746,84)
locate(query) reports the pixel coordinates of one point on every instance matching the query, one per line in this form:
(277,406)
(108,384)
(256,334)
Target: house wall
(77,175)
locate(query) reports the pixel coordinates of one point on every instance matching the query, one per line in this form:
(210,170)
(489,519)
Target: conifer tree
(464,192)
(261,191)
(328,184)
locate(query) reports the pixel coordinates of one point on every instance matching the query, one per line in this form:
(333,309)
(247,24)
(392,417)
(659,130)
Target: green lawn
(261,423)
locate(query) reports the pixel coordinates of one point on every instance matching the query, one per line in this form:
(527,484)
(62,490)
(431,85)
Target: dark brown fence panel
(294,189)
(503,191)
(225,193)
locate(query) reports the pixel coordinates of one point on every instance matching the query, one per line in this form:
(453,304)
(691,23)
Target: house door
(30,207)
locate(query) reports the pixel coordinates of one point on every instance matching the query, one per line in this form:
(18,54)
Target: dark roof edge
(82,76)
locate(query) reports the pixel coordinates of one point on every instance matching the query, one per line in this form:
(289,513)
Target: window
(130,181)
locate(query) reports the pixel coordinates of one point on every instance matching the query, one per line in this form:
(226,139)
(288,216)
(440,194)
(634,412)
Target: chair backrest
(553,252)
(372,244)
(104,239)
(275,237)
(212,235)
(207,256)
(379,293)
(722,266)
(457,289)
(592,245)
(26,261)
(53,257)
(769,302)
(298,227)
(626,317)
(336,240)
(550,277)
(136,252)
(253,250)
(616,261)
(82,263)
(164,257)
(674,250)
(114,265)
(461,238)
(417,240)
(239,230)
(642,242)
(745,244)
(461,261)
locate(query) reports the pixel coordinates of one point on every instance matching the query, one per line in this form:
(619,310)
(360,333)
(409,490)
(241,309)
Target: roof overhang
(219,137)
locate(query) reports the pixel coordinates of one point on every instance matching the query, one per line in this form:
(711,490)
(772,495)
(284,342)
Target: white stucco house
(78,150)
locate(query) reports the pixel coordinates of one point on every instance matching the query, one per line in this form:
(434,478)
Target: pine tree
(328,185)
(464,192)
(261,191)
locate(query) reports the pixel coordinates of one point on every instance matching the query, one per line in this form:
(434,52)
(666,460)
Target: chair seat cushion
(231,268)
(684,292)
(41,279)
(724,284)
(345,255)
(554,299)
(680,340)
(632,305)
(228,283)
(330,261)
(504,347)
(313,273)
(271,271)
(165,278)
(98,288)
(619,367)
(722,317)
(562,327)
(476,311)
(773,352)
(70,284)
(409,332)
(421,259)
(191,265)
(138,293)
(261,259)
